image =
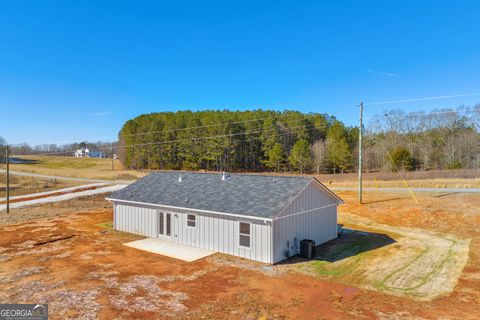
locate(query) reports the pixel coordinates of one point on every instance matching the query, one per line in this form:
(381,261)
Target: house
(86,153)
(256,217)
(97,154)
(82,153)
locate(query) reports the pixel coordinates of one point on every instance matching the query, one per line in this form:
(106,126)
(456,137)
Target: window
(161,224)
(191,220)
(169,225)
(244,234)
(164,223)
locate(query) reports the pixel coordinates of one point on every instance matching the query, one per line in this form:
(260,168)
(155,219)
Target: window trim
(172,228)
(195,220)
(249,235)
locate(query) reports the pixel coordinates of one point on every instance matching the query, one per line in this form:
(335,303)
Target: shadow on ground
(445,194)
(385,200)
(16,160)
(4,189)
(349,243)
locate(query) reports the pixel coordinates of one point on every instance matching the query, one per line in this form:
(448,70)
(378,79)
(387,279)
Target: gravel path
(442,190)
(44,176)
(64,190)
(64,197)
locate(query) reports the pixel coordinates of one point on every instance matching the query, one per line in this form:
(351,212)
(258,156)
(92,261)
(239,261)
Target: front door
(164,225)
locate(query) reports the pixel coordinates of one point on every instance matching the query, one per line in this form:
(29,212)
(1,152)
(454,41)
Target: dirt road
(63,190)
(63,197)
(395,190)
(67,255)
(382,189)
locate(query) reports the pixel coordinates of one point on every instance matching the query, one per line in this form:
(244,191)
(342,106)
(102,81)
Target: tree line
(67,150)
(237,140)
(441,139)
(262,140)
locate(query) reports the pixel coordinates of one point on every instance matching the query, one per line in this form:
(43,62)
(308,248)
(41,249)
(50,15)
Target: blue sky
(72,70)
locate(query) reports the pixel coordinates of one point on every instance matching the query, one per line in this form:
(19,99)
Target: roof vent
(186,200)
(180,178)
(274,180)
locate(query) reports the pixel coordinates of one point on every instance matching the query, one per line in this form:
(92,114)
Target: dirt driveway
(409,262)
(71,259)
(82,270)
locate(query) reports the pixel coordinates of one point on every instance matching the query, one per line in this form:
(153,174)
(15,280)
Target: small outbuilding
(256,217)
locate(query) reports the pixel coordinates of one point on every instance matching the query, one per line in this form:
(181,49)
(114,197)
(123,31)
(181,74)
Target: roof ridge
(250,195)
(233,174)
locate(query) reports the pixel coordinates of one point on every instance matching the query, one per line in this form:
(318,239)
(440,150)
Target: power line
(427,113)
(168,130)
(249,120)
(360,155)
(260,130)
(197,127)
(179,140)
(399,173)
(97,139)
(7,182)
(421,99)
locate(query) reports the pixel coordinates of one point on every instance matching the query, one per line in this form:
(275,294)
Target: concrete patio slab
(170,249)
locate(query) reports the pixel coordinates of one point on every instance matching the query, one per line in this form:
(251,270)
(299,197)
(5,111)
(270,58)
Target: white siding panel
(220,233)
(310,198)
(213,231)
(142,221)
(318,225)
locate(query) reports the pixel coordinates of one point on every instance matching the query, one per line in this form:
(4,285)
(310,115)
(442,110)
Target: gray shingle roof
(251,195)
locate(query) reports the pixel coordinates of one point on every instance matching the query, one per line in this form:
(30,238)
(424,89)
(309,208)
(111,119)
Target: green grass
(106,225)
(352,253)
(69,164)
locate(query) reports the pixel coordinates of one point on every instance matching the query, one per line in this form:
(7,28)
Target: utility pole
(360,136)
(113,158)
(8,178)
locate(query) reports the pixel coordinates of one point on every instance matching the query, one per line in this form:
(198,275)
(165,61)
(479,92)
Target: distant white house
(85,153)
(82,153)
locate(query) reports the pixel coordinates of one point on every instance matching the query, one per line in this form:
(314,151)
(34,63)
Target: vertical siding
(138,220)
(311,197)
(213,232)
(220,233)
(319,225)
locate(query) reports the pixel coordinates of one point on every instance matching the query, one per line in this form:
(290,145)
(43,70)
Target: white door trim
(165,224)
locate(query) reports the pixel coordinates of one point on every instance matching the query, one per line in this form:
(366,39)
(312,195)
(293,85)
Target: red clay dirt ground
(65,254)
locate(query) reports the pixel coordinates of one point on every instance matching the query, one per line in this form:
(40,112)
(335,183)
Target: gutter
(190,209)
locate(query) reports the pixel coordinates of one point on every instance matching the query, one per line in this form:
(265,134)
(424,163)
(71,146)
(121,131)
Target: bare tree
(319,152)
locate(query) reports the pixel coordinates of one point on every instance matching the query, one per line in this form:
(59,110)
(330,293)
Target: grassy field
(76,167)
(462,178)
(28,185)
(102,169)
